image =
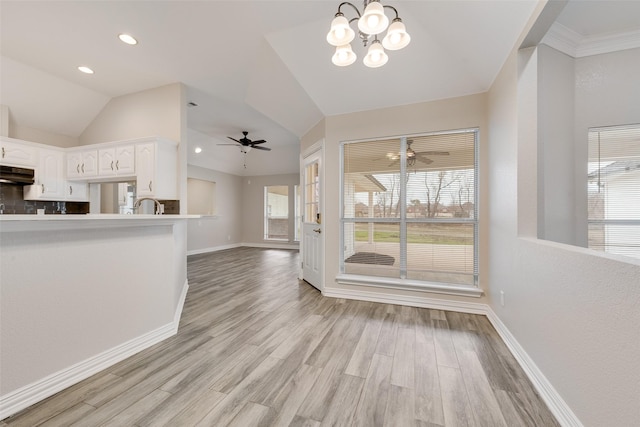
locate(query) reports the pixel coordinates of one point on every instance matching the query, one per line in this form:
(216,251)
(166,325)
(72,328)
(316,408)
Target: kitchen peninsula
(81,292)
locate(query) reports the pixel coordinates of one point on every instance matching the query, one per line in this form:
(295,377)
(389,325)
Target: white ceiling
(261,66)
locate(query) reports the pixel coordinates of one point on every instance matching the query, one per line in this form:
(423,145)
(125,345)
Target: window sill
(409,285)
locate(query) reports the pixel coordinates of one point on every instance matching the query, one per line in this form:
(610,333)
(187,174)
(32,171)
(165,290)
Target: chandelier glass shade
(370,23)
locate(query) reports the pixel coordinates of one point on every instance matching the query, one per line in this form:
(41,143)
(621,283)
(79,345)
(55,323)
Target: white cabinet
(49,178)
(156,169)
(82,164)
(76,191)
(14,152)
(116,161)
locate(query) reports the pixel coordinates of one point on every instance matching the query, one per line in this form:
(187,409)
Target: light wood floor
(256,347)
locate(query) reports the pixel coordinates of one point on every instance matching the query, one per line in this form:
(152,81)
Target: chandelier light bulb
(397,36)
(340,33)
(344,56)
(373,20)
(376,56)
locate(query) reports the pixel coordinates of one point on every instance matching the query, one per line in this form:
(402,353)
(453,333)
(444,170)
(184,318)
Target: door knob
(317,230)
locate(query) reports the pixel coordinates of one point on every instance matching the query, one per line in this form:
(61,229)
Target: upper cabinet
(82,164)
(17,153)
(156,169)
(49,177)
(116,161)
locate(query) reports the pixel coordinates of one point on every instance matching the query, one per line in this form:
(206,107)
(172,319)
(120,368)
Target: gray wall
(224,229)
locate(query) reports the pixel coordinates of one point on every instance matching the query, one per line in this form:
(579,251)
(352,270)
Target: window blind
(613,188)
(409,208)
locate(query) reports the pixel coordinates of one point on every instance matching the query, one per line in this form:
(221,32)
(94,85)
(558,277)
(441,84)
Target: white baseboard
(272,245)
(563,413)
(413,301)
(32,393)
(213,249)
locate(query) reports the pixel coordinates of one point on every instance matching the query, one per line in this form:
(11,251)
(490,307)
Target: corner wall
(574,311)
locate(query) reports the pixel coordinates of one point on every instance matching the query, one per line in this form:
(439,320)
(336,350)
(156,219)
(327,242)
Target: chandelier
(371,22)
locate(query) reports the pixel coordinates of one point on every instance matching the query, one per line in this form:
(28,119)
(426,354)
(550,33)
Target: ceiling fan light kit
(371,22)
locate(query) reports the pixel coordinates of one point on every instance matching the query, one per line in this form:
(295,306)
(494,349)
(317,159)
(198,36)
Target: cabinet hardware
(111,164)
(70,190)
(117,162)
(150,185)
(3,152)
(83,168)
(78,168)
(42,187)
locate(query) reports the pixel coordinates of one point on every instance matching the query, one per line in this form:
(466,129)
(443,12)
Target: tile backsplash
(12,202)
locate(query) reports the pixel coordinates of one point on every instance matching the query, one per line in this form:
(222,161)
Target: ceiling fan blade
(235,145)
(233,139)
(260,141)
(262,148)
(422,159)
(434,153)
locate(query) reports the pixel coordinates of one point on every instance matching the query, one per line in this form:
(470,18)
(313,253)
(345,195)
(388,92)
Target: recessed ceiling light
(126,38)
(85,70)
(198,150)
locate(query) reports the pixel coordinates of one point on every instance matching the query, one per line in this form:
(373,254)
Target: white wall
(253,207)
(225,228)
(153,112)
(556,201)
(573,310)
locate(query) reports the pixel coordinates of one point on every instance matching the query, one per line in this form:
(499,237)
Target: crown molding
(575,45)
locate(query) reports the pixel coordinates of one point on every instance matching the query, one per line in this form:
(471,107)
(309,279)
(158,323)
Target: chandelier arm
(350,4)
(394,9)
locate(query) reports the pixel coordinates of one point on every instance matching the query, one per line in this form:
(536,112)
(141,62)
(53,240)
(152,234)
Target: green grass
(394,237)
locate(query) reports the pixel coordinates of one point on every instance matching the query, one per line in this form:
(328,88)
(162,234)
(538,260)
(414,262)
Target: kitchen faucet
(136,205)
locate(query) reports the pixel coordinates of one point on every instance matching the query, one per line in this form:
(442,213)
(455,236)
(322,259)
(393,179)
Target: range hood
(16,176)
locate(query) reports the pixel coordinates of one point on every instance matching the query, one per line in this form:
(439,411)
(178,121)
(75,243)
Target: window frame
(403,282)
(266,214)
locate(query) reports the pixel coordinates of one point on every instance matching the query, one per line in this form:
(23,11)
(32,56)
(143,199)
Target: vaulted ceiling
(260,66)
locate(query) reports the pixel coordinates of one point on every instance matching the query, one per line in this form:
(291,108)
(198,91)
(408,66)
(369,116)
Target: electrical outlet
(502,298)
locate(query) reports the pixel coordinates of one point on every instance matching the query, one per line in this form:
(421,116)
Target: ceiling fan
(247,144)
(412,156)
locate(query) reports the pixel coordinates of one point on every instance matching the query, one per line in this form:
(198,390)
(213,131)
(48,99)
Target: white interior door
(312,239)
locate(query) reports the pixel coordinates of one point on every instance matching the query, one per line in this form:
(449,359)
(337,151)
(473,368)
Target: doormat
(370,258)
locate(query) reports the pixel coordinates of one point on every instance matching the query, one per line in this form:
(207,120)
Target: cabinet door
(17,154)
(125,156)
(107,162)
(89,165)
(145,167)
(76,191)
(49,177)
(74,162)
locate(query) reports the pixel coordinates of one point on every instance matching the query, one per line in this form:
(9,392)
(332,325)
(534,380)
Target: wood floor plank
(483,402)
(253,414)
(343,405)
(361,359)
(373,400)
(445,351)
(196,409)
(455,401)
(403,371)
(70,416)
(257,346)
(400,407)
(427,386)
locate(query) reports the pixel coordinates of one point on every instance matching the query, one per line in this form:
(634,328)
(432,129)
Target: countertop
(12,223)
